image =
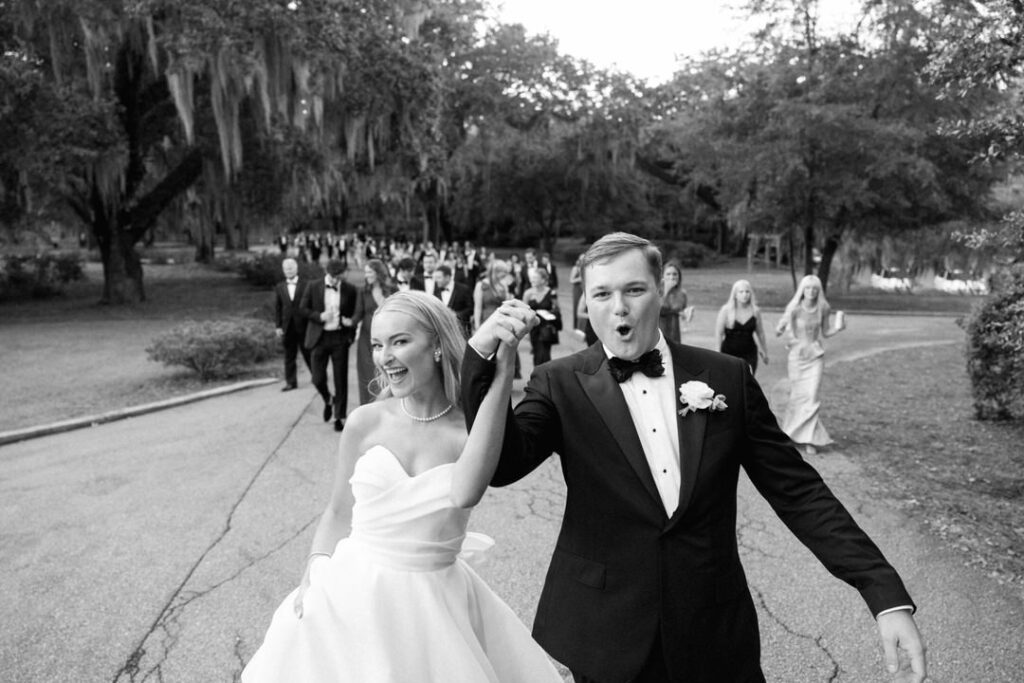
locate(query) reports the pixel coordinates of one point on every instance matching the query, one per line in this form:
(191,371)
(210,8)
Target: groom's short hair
(615,243)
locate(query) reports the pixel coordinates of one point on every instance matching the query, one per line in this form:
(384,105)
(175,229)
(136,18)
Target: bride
(384,597)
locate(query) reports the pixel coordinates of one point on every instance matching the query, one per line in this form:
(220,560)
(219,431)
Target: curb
(16,435)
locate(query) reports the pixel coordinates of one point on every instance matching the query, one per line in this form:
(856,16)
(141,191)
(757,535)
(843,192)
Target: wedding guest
(404,278)
(540,297)
(384,596)
(425,282)
(377,287)
(645,583)
(515,266)
(492,289)
(529,261)
(548,266)
(291,324)
(807,321)
(674,309)
(739,330)
(576,280)
(454,295)
(328,306)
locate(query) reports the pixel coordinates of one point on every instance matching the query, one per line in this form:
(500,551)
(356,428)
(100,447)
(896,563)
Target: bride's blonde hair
(440,323)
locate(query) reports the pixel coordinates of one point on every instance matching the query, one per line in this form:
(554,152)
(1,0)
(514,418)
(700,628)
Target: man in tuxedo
(291,324)
(328,305)
(404,274)
(426,283)
(529,261)
(645,583)
(455,296)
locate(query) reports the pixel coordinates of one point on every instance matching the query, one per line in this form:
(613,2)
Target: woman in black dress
(739,329)
(540,297)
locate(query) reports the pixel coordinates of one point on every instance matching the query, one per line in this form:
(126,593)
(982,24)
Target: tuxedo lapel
(691,429)
(604,393)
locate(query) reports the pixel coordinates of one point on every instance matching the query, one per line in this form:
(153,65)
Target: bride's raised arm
(475,467)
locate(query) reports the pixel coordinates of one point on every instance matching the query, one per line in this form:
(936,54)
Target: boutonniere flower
(699,396)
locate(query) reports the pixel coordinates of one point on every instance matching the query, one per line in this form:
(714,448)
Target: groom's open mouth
(623,330)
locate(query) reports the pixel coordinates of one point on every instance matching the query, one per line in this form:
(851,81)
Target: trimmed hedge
(995,349)
(216,348)
(38,277)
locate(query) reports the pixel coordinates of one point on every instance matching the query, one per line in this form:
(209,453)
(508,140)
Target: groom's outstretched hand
(511,322)
(899,632)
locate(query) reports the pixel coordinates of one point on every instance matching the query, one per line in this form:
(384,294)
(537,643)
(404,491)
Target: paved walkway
(156,547)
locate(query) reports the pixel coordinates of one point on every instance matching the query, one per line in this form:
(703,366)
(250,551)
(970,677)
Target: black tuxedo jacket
(461,301)
(313,305)
(286,310)
(622,570)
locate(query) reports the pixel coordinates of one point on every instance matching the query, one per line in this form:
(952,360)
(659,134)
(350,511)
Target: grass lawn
(961,479)
(906,417)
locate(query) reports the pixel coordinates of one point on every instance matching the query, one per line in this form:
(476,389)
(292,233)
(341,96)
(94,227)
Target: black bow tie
(334,287)
(292,282)
(650,364)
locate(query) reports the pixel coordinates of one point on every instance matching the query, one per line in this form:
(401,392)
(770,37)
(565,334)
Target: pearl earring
(437,355)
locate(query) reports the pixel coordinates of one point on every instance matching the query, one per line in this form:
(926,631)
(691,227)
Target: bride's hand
(506,357)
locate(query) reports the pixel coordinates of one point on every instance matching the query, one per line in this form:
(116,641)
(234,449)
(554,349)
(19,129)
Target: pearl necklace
(425,419)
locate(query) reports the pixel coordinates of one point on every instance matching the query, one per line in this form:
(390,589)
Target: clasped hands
(509,324)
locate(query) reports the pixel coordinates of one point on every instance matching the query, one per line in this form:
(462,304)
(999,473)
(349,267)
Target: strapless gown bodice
(396,602)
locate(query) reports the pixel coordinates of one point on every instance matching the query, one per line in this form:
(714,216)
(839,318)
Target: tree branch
(142,215)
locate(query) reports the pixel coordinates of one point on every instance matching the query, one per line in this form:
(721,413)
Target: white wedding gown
(395,603)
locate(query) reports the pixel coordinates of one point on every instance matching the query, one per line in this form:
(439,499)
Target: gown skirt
(802,422)
(396,602)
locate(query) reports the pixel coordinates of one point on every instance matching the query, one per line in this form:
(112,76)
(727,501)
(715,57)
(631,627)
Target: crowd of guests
(474,281)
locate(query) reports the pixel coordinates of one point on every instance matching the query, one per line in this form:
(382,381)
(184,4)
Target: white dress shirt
(428,285)
(652,405)
(292,284)
(332,302)
(446,294)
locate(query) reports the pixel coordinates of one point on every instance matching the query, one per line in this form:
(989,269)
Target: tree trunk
(122,267)
(831,246)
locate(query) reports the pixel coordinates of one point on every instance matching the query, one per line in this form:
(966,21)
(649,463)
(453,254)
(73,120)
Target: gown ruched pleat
(396,602)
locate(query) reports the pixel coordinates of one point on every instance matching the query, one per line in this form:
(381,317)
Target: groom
(645,583)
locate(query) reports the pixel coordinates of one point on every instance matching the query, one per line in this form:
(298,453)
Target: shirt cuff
(477,351)
(908,608)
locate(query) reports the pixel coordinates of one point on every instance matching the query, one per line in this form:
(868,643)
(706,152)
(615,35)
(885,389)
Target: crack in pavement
(166,619)
(817,640)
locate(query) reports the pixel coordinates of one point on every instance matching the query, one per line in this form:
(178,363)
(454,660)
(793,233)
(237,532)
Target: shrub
(995,349)
(40,276)
(265,270)
(216,348)
(688,254)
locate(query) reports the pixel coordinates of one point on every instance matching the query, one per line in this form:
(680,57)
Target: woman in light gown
(385,597)
(739,329)
(807,320)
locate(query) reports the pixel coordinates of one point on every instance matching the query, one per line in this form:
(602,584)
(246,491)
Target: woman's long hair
(730,305)
(440,323)
(675,297)
(383,276)
(495,271)
(794,303)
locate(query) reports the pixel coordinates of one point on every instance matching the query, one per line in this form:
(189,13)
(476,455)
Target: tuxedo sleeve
(306,305)
(278,306)
(805,504)
(531,430)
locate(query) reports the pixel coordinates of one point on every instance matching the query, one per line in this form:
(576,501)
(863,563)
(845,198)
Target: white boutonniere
(699,396)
